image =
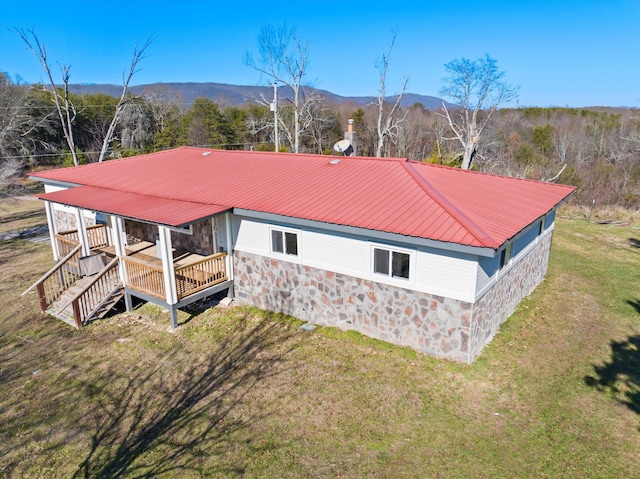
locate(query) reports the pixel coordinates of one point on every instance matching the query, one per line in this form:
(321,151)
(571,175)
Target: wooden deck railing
(65,244)
(144,277)
(88,301)
(98,236)
(67,240)
(148,278)
(195,277)
(58,279)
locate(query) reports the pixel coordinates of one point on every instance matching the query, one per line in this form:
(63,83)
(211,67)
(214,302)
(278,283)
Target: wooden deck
(193,272)
(68,283)
(147,252)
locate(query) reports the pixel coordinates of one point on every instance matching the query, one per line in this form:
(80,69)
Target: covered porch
(171,266)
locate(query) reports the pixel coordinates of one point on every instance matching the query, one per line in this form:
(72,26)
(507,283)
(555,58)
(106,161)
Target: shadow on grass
(620,376)
(635,304)
(25,215)
(635,242)
(158,421)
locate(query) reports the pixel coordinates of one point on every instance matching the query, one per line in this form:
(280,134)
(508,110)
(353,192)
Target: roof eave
(48,181)
(377,235)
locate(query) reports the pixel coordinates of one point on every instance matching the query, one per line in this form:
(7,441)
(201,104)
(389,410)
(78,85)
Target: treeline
(597,151)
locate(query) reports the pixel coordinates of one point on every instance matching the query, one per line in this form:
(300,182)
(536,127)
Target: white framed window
(391,263)
(185,230)
(542,226)
(505,256)
(284,242)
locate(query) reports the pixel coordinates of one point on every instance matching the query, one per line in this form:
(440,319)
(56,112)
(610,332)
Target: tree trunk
(469,153)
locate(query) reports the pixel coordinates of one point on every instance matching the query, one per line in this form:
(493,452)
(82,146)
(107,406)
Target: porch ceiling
(152,209)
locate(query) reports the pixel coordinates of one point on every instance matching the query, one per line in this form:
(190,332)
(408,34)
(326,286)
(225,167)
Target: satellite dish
(344,146)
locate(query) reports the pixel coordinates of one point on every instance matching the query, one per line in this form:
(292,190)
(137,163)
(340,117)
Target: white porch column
(169,272)
(117,240)
(227,218)
(51,222)
(82,232)
(117,234)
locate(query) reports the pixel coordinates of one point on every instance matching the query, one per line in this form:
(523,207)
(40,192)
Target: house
(426,256)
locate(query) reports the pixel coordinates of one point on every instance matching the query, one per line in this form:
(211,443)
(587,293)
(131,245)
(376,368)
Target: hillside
(239,94)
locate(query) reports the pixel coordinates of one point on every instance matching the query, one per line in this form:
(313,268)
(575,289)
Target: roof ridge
(450,208)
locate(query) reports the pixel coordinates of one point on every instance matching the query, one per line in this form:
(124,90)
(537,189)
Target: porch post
(169,272)
(51,222)
(116,228)
(82,232)
(230,245)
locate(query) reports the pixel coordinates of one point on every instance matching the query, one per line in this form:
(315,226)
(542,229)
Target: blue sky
(560,53)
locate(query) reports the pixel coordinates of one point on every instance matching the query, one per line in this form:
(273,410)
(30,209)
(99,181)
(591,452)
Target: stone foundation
(432,324)
(501,300)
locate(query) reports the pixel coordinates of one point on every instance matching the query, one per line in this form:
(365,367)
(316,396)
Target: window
(101,218)
(284,242)
(541,228)
(391,263)
(185,230)
(505,256)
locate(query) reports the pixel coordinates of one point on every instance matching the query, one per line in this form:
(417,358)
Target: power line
(217,146)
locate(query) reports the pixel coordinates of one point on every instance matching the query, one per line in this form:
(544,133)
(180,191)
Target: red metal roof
(134,205)
(386,194)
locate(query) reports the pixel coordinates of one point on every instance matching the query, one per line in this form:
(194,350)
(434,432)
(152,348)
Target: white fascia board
(63,184)
(376,235)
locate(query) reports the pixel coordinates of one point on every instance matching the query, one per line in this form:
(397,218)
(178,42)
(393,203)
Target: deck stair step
(63,310)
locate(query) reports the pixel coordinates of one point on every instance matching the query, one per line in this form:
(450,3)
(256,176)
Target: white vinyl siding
(452,275)
(443,273)
(333,252)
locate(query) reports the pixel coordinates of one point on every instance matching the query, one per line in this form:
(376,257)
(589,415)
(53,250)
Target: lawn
(237,392)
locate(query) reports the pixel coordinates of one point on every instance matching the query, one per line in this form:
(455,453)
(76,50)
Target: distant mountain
(236,95)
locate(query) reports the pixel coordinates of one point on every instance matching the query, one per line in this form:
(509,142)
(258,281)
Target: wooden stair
(62,308)
(64,293)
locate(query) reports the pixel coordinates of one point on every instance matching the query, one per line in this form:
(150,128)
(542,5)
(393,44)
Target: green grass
(238,392)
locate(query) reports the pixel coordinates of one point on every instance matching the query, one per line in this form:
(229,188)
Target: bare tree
(478,89)
(64,106)
(388,116)
(19,121)
(138,54)
(9,169)
(282,56)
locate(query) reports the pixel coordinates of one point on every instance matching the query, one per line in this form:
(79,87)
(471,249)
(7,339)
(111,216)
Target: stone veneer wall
(137,231)
(200,242)
(66,221)
(501,300)
(432,324)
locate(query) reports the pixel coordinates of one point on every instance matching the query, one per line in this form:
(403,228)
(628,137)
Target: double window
(394,264)
(284,242)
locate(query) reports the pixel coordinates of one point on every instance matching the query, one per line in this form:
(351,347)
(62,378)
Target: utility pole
(274,109)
